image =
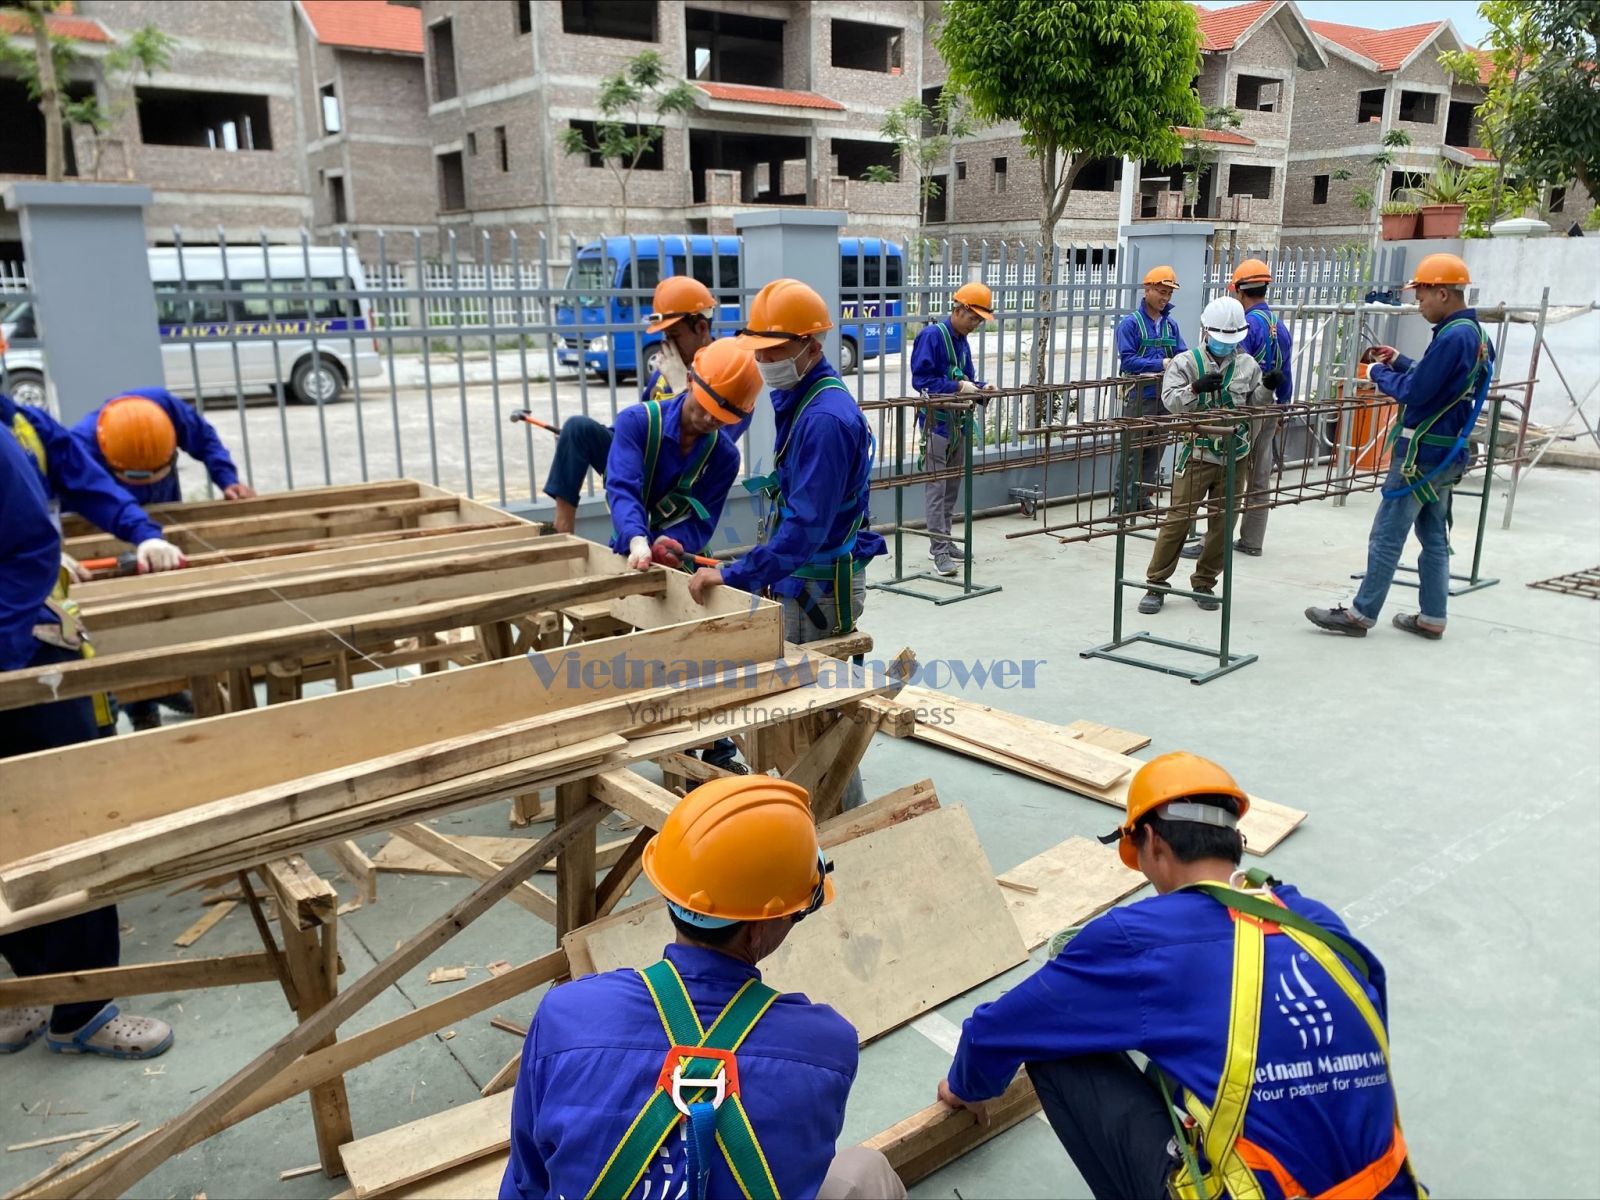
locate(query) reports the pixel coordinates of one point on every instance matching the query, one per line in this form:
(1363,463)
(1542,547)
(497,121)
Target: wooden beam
(633,796)
(313,957)
(210,1114)
(186,512)
(363,875)
(304,545)
(302,895)
(938,1135)
(575,869)
(142,979)
(892,808)
(622,874)
(690,767)
(524,895)
(401,1155)
(846,645)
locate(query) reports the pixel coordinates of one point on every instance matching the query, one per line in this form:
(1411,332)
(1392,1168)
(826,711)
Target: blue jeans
(1396,518)
(584,446)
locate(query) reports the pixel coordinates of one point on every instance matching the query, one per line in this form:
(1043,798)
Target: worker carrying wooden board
(692,1077)
(1263,1019)
(39,461)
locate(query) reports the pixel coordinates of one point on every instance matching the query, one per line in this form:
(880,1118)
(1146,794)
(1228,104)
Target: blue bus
(871,284)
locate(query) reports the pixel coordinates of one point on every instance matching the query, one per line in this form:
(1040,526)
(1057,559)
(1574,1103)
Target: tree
(1541,113)
(49,60)
(621,138)
(1200,153)
(922,136)
(1369,197)
(1086,80)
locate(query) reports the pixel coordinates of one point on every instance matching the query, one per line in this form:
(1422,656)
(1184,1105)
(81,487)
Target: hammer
(523,415)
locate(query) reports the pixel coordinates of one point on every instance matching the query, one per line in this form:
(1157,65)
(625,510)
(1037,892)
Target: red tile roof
(365,25)
(1386,47)
(1225,137)
(781,97)
(1220,27)
(1477,152)
(1485,66)
(77,29)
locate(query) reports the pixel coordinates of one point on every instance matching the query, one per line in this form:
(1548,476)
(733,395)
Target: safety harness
(1476,389)
(1231,1161)
(661,388)
(1207,401)
(1153,338)
(835,564)
(680,500)
(938,420)
(1274,360)
(699,1080)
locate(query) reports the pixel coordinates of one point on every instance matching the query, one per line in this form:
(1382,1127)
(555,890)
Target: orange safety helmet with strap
(1162,276)
(1251,272)
(725,380)
(1168,781)
(786,310)
(137,439)
(677,297)
(977,297)
(1440,270)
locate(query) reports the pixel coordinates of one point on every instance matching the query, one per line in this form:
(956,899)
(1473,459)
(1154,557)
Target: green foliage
(922,135)
(1541,116)
(1489,194)
(1399,208)
(1199,154)
(1447,185)
(1367,198)
(621,136)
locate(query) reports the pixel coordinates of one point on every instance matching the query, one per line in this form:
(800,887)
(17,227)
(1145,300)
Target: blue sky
(1389,14)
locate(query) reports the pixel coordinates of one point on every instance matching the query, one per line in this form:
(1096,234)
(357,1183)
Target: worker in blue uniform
(38,629)
(671,466)
(1263,1020)
(692,1077)
(1146,339)
(1440,398)
(136,436)
(941,365)
(682,311)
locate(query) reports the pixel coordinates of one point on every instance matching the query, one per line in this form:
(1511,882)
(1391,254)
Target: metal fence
(319,367)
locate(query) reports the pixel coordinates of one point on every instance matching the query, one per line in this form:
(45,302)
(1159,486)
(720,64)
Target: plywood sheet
(419,1149)
(918,919)
(1076,880)
(1108,737)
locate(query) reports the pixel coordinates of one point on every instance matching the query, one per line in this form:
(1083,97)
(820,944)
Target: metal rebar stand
(897,583)
(1474,582)
(1226,661)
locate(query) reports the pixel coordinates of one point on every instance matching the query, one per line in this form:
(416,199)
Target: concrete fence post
(90,272)
(1182,246)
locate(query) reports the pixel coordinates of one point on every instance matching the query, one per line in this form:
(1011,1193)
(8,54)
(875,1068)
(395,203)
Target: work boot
(1207,599)
(114,1035)
(944,564)
(1150,603)
(1412,623)
(1192,549)
(952,551)
(1336,620)
(21,1027)
(144,716)
(181,703)
(724,755)
(1240,548)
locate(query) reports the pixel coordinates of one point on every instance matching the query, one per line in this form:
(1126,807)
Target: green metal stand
(1474,582)
(902,577)
(1226,661)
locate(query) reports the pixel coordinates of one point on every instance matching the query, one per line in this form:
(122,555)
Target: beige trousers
(861,1174)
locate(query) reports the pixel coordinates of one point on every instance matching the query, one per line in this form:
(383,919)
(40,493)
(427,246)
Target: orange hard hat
(677,297)
(1163,275)
(136,435)
(1252,271)
(977,297)
(1175,777)
(725,380)
(1440,270)
(784,311)
(739,849)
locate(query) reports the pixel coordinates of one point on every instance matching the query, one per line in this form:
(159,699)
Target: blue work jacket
(930,367)
(823,478)
(590,1064)
(1258,344)
(30,553)
(1156,977)
(1142,346)
(196,438)
(625,471)
(1435,382)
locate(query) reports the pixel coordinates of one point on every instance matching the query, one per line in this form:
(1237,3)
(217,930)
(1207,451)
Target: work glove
(1211,381)
(74,569)
(667,551)
(1272,380)
(639,556)
(966,385)
(157,554)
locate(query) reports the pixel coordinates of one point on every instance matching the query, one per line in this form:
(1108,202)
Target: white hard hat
(1224,320)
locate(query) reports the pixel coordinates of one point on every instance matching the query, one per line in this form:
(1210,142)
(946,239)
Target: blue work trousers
(1396,518)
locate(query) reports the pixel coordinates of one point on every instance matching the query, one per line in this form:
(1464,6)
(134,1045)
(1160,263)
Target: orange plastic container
(1374,416)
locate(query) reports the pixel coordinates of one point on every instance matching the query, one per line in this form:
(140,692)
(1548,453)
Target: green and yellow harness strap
(1211,400)
(696,1056)
(679,500)
(1475,389)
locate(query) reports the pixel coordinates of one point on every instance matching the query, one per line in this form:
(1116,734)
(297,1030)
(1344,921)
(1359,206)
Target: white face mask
(781,375)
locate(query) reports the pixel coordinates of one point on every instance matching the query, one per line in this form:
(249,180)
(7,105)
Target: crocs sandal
(21,1027)
(114,1035)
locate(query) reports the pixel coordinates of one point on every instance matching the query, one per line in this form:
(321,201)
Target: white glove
(639,557)
(74,571)
(966,385)
(672,367)
(156,554)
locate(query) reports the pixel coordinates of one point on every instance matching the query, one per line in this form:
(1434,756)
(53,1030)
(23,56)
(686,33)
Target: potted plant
(1444,202)
(1399,220)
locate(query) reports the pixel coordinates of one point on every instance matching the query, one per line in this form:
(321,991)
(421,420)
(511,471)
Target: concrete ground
(1452,789)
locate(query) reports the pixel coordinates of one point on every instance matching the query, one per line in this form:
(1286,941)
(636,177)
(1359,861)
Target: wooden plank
(828,796)
(417,1149)
(210,1113)
(575,869)
(689,767)
(937,1135)
(1108,737)
(504,1078)
(72,1157)
(188,511)
(476,1180)
(312,956)
(1065,886)
(893,718)
(305,545)
(205,924)
(451,851)
(303,896)
(143,979)
(634,796)
(363,876)
(886,950)
(622,874)
(402,857)
(893,808)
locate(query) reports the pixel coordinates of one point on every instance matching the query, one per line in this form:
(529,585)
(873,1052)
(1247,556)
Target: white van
(217,347)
